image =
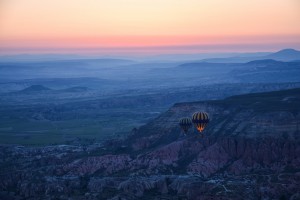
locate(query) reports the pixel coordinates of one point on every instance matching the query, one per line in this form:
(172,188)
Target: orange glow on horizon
(144,41)
(147,23)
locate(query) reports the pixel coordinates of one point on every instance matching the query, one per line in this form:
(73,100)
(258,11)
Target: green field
(110,123)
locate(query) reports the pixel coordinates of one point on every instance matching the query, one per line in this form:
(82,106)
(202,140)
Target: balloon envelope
(185,124)
(200,120)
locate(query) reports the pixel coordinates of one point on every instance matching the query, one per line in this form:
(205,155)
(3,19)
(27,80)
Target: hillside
(252,115)
(34,89)
(263,71)
(250,151)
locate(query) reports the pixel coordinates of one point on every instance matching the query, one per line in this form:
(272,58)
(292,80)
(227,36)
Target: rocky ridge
(250,150)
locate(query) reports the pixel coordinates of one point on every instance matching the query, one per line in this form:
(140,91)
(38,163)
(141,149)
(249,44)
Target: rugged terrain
(250,150)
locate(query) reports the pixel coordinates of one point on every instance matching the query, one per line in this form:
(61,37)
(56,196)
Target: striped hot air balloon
(185,124)
(200,120)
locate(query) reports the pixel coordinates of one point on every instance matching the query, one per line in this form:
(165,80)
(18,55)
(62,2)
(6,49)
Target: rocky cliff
(250,150)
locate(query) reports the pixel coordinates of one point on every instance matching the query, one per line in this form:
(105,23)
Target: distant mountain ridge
(40,88)
(35,88)
(285,55)
(282,55)
(264,61)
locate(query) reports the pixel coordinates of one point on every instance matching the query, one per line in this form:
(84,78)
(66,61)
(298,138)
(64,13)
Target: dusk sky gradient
(149,26)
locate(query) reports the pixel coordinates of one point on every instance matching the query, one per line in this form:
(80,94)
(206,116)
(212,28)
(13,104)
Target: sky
(148,26)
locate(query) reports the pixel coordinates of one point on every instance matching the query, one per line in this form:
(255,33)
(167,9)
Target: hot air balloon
(185,124)
(200,120)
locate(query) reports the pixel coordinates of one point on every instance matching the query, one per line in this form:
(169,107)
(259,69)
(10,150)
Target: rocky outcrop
(106,164)
(250,150)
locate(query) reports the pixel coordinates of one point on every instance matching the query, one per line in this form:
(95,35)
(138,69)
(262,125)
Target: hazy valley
(108,128)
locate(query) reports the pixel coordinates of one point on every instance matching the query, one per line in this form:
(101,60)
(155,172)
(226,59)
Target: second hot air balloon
(185,124)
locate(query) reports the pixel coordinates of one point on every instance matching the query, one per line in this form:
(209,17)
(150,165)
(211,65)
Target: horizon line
(152,50)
